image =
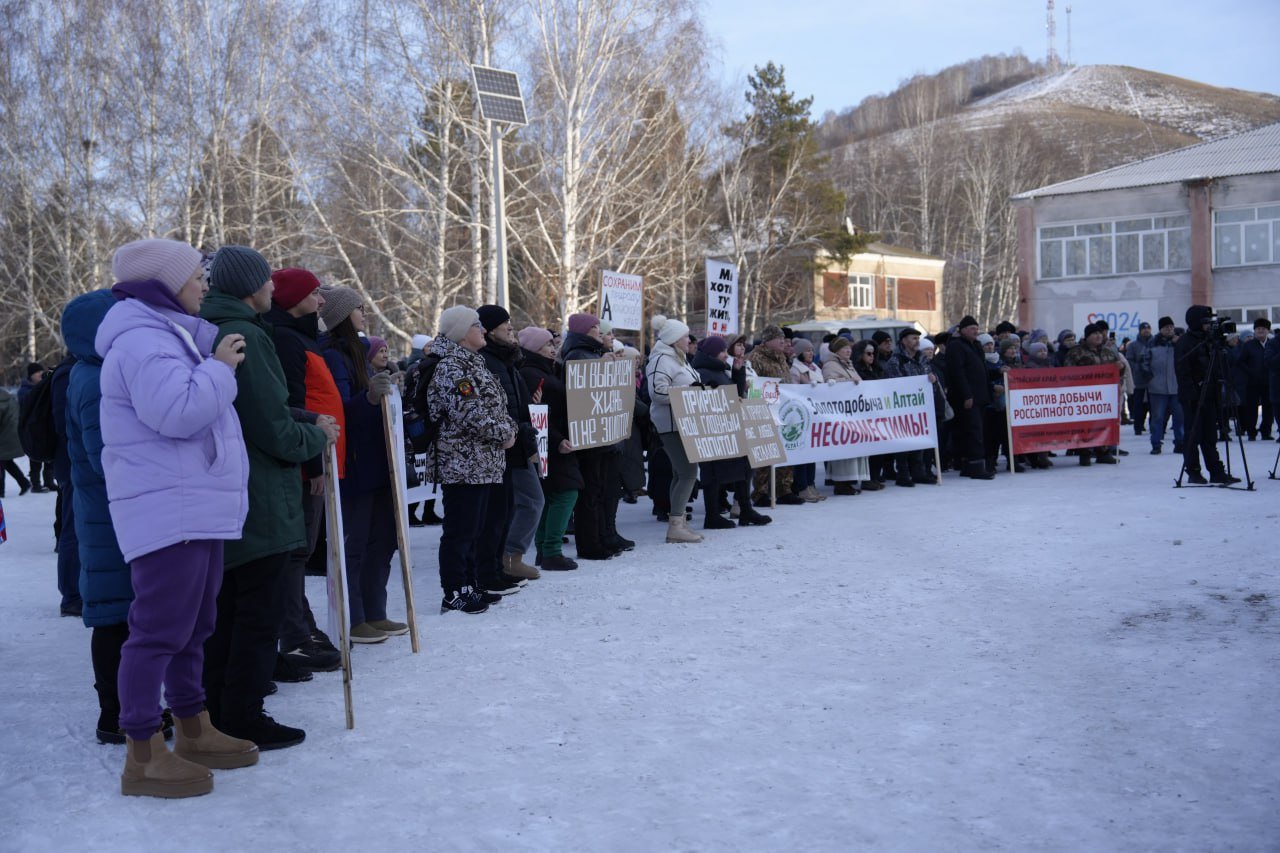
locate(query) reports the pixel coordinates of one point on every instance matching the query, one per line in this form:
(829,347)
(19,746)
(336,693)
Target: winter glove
(379,387)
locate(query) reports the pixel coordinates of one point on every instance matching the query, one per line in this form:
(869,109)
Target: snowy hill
(1191,108)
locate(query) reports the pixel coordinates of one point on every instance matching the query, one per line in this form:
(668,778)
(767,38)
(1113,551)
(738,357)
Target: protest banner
(722,299)
(538,414)
(764,445)
(622,300)
(1063,408)
(601,397)
(709,422)
(393,432)
(845,420)
(336,575)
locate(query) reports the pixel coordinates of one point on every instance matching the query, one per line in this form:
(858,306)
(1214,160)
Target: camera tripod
(1222,423)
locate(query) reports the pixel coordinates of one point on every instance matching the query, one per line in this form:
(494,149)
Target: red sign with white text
(1064,408)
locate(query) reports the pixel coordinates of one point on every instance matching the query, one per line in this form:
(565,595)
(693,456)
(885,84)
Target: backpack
(420,429)
(36,428)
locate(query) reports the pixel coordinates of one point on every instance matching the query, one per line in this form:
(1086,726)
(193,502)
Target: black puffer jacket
(1191,359)
(537,371)
(503,361)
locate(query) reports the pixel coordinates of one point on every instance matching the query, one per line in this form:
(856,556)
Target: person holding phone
(177,475)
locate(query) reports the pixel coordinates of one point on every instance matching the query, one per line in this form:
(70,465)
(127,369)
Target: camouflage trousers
(761,490)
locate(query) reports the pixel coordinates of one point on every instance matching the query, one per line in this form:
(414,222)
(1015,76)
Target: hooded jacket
(307,377)
(173,454)
(1192,362)
(364,465)
(105,585)
(503,361)
(276,443)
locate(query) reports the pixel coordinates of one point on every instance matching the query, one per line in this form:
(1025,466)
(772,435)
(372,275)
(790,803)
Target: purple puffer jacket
(173,454)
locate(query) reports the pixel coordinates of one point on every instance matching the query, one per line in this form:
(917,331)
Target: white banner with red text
(844,420)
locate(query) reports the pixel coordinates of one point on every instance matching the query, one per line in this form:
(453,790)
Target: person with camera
(1199,360)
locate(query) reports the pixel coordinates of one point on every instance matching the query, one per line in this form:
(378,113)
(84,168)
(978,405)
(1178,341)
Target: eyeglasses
(477,325)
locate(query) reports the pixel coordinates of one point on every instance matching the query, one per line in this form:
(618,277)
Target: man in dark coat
(1198,360)
(1252,364)
(501,559)
(241,655)
(968,393)
(40,473)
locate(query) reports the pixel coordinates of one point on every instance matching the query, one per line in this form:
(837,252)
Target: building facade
(1200,225)
(883,282)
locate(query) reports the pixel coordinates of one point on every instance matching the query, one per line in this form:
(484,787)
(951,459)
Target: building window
(861,293)
(1246,235)
(1120,247)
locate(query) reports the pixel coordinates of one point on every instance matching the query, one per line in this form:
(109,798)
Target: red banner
(1064,408)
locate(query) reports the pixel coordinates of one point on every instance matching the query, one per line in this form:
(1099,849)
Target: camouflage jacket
(474,423)
(770,364)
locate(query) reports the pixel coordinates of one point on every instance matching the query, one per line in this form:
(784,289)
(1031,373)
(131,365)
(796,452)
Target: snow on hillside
(1076,659)
(1189,107)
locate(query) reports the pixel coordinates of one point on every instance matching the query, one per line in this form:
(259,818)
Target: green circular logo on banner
(794,420)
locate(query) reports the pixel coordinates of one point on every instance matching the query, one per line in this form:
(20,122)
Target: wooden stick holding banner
(1008,422)
(393,430)
(336,576)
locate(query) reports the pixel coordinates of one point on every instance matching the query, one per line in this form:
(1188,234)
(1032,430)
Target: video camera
(1219,329)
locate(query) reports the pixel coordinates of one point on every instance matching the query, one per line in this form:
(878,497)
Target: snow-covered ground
(1077,659)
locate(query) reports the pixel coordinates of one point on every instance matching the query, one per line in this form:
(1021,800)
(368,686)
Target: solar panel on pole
(499,95)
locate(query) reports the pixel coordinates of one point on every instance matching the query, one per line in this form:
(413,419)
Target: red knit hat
(292,286)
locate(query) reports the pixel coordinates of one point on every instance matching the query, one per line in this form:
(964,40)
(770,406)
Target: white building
(1200,225)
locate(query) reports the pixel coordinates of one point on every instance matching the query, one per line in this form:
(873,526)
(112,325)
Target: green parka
(277,444)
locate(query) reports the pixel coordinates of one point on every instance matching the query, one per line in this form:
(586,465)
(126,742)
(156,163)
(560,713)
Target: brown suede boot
(151,770)
(195,739)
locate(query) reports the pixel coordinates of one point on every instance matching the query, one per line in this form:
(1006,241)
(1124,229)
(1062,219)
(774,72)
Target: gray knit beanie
(167,261)
(238,271)
(455,321)
(339,302)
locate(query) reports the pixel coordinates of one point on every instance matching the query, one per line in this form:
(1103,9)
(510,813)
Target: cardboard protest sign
(538,415)
(622,300)
(764,444)
(722,299)
(1063,408)
(601,396)
(412,465)
(709,422)
(336,576)
(846,420)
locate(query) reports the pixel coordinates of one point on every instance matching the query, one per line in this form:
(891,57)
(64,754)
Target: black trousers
(1255,398)
(590,512)
(966,432)
(611,494)
(659,479)
(240,655)
(8,466)
(104,650)
(1201,427)
(472,512)
(493,544)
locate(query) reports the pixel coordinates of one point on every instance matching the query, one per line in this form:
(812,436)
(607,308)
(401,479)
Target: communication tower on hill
(1051,29)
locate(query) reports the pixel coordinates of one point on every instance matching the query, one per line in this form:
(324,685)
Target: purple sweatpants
(175,594)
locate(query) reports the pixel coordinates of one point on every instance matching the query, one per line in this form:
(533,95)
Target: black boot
(714,520)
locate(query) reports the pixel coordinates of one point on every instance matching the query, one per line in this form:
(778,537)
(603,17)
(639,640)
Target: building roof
(879,248)
(1252,153)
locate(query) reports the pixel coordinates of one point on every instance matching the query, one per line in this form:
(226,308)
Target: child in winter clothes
(176,474)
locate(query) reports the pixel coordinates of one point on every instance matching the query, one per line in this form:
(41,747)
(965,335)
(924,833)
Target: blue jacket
(104,575)
(1158,365)
(367,469)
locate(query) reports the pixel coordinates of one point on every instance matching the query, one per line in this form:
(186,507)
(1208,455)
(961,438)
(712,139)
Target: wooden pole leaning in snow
(393,430)
(1008,423)
(336,576)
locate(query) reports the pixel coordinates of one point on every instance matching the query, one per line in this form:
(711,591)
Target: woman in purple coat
(177,473)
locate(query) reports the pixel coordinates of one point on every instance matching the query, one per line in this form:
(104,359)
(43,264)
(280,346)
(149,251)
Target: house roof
(878,248)
(1252,153)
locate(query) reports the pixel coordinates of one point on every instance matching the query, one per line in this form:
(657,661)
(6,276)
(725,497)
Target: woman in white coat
(847,474)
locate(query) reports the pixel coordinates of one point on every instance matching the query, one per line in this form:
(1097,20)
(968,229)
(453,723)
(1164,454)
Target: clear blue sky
(840,51)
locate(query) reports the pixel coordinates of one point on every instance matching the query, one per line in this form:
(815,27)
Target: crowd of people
(201,396)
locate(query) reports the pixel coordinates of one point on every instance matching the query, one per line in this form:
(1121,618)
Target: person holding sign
(368,510)
(564,478)
(711,362)
(667,369)
(470,456)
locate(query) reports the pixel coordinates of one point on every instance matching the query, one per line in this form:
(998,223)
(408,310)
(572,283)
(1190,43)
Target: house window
(1120,247)
(861,294)
(1246,235)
